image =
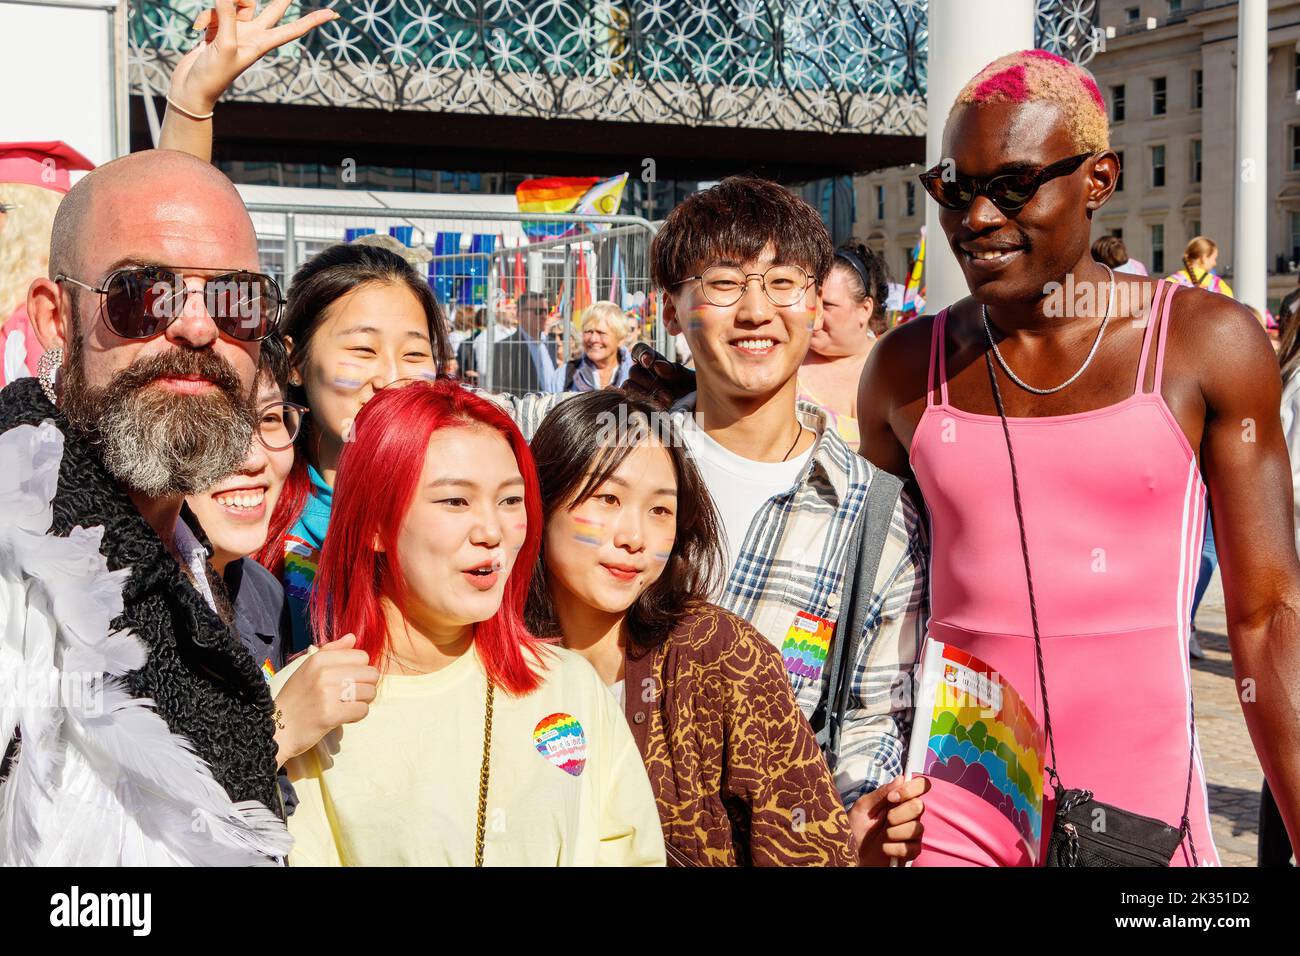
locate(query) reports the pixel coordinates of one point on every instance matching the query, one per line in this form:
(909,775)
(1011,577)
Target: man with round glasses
(152,317)
(1066,426)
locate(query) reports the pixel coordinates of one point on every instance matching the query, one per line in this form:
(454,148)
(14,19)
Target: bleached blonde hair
(24,241)
(1037,76)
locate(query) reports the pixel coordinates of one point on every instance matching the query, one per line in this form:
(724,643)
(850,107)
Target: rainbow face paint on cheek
(348,376)
(588,531)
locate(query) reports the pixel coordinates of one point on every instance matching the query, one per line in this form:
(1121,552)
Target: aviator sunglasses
(142,301)
(1008,191)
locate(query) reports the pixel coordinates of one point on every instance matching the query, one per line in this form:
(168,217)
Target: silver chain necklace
(1110,302)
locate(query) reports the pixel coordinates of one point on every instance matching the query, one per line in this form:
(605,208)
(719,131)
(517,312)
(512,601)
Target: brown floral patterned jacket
(736,771)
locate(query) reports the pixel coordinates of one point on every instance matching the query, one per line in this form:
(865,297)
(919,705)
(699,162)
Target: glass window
(1158,249)
(880,203)
(1131,14)
(1295,147)
(1117,103)
(910,193)
(1196,160)
(1158,166)
(1198,88)
(1295,237)
(1295,57)
(1159,97)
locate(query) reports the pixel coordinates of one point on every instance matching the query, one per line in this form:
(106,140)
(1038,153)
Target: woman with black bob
(629,552)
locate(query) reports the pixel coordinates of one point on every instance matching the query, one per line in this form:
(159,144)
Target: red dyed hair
(288,508)
(378,474)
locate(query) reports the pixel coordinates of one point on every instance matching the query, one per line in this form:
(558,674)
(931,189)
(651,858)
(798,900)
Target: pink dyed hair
(1037,76)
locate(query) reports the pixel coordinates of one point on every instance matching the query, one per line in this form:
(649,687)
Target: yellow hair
(24,242)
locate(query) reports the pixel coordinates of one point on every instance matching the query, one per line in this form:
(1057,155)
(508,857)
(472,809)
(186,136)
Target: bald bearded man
(154,746)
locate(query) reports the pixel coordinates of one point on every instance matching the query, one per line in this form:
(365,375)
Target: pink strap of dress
(1158,315)
(937,349)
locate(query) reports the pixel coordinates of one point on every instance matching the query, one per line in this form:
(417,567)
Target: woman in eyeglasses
(235,513)
(853,299)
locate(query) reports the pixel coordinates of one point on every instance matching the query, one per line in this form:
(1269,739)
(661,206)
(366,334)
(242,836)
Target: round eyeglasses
(278,424)
(725,285)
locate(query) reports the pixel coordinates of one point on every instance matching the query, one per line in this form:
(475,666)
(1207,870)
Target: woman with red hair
(479,744)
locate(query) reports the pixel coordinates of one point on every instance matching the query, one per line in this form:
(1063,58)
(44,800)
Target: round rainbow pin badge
(559,738)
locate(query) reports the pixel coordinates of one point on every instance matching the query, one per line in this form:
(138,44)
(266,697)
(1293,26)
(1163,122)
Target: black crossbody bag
(1085,831)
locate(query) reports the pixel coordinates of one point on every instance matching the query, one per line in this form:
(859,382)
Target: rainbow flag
(914,291)
(556,194)
(582,195)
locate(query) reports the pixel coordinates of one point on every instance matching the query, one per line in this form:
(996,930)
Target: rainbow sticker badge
(806,644)
(559,738)
(268,670)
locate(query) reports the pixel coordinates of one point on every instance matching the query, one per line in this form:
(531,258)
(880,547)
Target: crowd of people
(322,602)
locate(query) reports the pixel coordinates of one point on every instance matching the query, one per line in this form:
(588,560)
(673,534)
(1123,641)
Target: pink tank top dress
(1114,511)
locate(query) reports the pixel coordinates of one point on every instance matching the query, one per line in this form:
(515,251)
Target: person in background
(482,746)
(630,553)
(854,312)
(633,329)
(33,180)
(525,361)
(358,318)
(604,362)
(1111,251)
(1199,259)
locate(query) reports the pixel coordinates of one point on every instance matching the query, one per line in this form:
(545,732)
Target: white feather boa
(99,779)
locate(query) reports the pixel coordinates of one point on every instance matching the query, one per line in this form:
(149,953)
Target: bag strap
(1185,826)
(862,561)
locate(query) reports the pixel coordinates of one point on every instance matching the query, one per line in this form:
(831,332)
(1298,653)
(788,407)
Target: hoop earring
(47,373)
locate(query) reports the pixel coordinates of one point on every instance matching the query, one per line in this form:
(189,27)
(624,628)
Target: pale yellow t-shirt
(400,788)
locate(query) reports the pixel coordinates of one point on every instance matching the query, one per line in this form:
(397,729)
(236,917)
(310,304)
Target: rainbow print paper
(806,645)
(300,560)
(559,738)
(974,730)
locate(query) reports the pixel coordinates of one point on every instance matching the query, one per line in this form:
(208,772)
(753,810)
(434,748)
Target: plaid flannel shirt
(790,569)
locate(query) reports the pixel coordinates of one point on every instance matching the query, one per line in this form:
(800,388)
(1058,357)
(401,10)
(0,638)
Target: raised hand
(235,37)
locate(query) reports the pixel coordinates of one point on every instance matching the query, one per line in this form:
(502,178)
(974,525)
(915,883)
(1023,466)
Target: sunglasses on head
(142,301)
(1008,191)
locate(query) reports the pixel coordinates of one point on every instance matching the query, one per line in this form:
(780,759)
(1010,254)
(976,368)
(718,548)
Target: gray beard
(162,445)
(155,442)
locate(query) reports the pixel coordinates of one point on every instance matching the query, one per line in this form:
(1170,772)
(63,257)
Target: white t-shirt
(740,486)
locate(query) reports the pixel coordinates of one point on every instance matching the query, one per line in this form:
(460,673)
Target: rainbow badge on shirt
(806,644)
(268,671)
(300,560)
(559,738)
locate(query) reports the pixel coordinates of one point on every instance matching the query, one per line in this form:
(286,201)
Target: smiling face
(607,550)
(750,350)
(598,341)
(371,337)
(466,525)
(1009,257)
(236,512)
(844,329)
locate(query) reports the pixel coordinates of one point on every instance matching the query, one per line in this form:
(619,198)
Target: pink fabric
(18,329)
(1114,511)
